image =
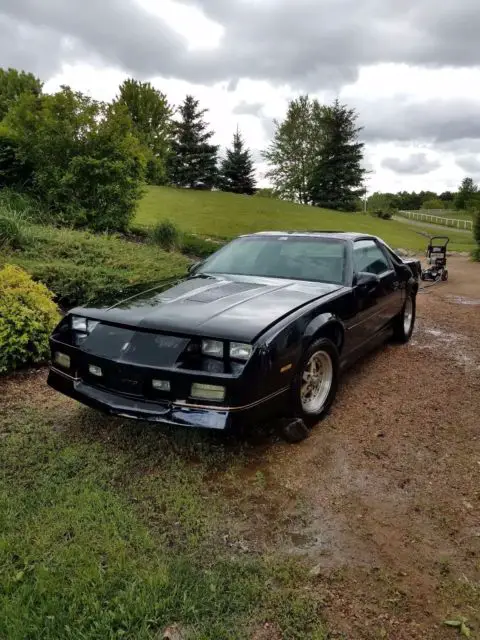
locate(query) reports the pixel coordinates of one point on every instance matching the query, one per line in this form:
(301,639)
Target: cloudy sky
(410,67)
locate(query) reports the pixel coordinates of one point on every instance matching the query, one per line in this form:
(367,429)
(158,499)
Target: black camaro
(259,330)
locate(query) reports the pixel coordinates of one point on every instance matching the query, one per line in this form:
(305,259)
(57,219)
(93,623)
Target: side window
(367,256)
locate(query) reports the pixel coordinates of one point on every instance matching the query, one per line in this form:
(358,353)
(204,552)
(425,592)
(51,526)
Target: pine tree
(237,173)
(193,162)
(338,174)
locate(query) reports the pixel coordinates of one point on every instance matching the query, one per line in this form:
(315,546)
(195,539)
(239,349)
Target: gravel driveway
(389,483)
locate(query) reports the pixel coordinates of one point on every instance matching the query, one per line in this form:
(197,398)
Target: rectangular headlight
(240,351)
(161,385)
(61,359)
(207,392)
(212,348)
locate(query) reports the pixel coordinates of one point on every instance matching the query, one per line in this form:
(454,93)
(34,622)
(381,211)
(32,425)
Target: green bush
(14,228)
(476,226)
(17,200)
(87,165)
(383,214)
(82,269)
(433,204)
(166,234)
(27,317)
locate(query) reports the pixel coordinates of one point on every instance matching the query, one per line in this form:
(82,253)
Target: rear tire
(445,275)
(404,323)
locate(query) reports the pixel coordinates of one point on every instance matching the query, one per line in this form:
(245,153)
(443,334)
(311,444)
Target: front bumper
(159,412)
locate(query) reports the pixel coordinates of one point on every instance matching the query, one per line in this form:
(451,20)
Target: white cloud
(429,108)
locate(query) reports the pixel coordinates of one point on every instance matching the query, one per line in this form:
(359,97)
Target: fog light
(207,392)
(161,385)
(95,371)
(62,359)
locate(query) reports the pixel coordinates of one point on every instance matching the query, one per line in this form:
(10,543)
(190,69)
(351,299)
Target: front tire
(313,390)
(405,321)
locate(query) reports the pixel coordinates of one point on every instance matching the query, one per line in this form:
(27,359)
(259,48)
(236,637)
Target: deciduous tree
(88,165)
(13,84)
(297,143)
(466,194)
(151,115)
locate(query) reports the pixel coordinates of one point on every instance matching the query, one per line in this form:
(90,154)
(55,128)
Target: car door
(377,302)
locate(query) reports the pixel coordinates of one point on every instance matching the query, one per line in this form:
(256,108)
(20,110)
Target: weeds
(14,228)
(166,235)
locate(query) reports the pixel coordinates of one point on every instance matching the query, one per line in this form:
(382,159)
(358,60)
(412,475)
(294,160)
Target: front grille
(119,378)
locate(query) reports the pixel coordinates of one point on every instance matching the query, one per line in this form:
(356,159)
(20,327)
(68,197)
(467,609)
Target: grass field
(109,530)
(227,215)
(452,214)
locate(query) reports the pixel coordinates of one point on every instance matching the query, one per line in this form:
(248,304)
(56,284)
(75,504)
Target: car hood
(230,308)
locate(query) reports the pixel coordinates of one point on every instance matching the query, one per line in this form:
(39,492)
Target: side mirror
(367,280)
(194,267)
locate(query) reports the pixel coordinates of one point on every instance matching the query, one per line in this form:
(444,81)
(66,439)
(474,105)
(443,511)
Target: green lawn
(109,530)
(227,215)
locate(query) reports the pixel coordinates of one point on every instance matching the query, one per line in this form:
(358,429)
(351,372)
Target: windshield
(290,257)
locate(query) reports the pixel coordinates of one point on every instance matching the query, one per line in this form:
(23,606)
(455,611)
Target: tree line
(466,198)
(86,161)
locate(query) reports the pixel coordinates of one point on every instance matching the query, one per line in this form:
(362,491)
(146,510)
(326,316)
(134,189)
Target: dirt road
(390,481)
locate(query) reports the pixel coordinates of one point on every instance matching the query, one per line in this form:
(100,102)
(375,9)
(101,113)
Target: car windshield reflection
(287,257)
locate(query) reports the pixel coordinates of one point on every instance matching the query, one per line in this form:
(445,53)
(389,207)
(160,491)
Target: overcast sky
(410,67)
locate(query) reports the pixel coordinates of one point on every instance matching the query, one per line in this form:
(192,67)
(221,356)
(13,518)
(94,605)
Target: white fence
(441,220)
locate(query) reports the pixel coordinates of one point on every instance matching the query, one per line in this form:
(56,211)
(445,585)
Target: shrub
(383,214)
(166,235)
(476,235)
(27,317)
(87,165)
(198,247)
(476,226)
(433,204)
(14,229)
(81,268)
(17,200)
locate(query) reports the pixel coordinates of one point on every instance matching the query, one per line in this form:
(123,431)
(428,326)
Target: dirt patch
(390,481)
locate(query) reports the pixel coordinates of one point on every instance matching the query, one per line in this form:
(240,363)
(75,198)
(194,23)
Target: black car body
(221,349)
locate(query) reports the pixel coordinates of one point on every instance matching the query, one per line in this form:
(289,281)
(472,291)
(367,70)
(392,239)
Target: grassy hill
(228,215)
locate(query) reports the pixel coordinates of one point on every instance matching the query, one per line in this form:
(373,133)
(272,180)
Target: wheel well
(334,332)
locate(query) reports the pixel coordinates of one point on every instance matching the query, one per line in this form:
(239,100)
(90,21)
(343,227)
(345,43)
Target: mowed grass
(227,215)
(113,530)
(452,214)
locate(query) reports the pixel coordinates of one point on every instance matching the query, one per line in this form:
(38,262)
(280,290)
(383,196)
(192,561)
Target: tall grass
(15,230)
